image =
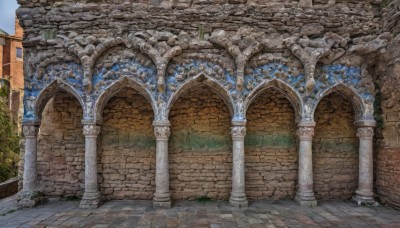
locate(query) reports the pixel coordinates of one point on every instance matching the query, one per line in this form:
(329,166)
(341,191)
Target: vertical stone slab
(91,197)
(30,196)
(238,195)
(162,197)
(305,193)
(364,193)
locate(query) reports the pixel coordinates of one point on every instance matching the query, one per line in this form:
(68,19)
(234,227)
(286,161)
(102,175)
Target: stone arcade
(270,68)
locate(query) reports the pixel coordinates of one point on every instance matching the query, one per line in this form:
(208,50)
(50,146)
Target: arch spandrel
(351,82)
(34,106)
(67,77)
(283,88)
(183,77)
(117,86)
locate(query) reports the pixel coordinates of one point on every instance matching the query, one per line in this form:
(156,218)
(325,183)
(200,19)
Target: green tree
(9,140)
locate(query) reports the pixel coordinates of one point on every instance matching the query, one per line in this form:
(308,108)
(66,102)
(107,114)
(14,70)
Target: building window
(19,53)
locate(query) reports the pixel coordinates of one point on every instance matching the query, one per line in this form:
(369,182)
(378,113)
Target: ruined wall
(200,155)
(335,149)
(61,148)
(387,153)
(270,148)
(113,18)
(127,152)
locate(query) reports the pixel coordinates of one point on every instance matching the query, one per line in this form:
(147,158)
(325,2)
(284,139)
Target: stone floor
(197,214)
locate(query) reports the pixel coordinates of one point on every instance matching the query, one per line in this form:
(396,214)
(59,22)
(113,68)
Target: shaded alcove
(270,147)
(200,154)
(335,149)
(61,147)
(127,148)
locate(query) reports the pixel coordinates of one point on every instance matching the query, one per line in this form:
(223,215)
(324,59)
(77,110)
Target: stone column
(162,198)
(238,195)
(30,196)
(364,193)
(305,194)
(91,197)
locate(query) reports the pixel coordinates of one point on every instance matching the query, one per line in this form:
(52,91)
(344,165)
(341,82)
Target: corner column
(238,194)
(364,193)
(305,194)
(30,196)
(91,197)
(162,197)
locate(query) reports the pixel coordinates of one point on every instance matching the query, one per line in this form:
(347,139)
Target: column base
(238,200)
(306,199)
(29,199)
(90,200)
(162,200)
(364,200)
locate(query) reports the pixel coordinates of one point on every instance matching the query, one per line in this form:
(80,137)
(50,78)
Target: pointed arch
(201,79)
(100,49)
(357,103)
(118,86)
(50,91)
(283,88)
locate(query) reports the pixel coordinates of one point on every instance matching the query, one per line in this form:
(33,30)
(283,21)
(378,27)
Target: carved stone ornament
(365,132)
(238,131)
(91,130)
(305,132)
(162,132)
(30,130)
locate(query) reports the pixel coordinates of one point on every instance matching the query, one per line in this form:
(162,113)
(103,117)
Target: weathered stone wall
(387,153)
(200,155)
(335,149)
(61,148)
(270,148)
(93,19)
(391,17)
(127,153)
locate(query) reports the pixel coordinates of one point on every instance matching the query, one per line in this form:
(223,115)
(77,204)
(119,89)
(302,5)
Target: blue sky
(7,15)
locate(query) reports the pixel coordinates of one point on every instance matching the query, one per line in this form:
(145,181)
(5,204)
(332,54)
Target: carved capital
(91,130)
(305,132)
(162,132)
(365,132)
(30,130)
(238,131)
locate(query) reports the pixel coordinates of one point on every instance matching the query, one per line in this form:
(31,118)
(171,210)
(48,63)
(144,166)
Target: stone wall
(112,18)
(335,149)
(127,153)
(387,156)
(61,148)
(200,154)
(270,148)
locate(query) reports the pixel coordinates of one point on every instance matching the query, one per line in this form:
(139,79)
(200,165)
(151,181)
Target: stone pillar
(305,194)
(364,193)
(91,197)
(162,198)
(238,195)
(30,196)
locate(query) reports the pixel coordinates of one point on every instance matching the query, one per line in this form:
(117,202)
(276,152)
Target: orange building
(11,68)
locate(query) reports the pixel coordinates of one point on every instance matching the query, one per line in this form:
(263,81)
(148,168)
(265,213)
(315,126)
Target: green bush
(9,140)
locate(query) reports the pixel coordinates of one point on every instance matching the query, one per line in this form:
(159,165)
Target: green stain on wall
(277,140)
(132,139)
(344,144)
(194,141)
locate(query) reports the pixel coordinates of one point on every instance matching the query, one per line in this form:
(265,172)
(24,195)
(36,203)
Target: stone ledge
(8,188)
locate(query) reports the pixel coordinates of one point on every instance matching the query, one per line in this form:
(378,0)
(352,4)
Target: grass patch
(71,198)
(203,199)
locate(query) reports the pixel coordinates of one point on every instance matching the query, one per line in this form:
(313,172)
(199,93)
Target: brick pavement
(196,214)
